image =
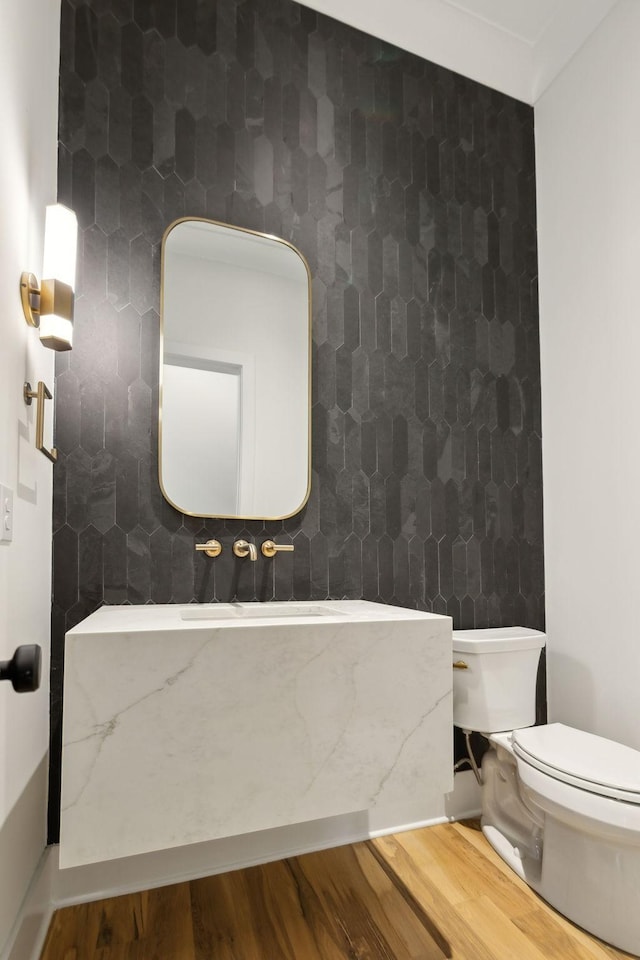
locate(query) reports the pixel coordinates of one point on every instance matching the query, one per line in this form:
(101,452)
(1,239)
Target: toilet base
(589,881)
(527,869)
(589,876)
(509,825)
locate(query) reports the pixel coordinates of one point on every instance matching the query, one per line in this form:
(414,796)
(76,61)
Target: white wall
(588,175)
(29,51)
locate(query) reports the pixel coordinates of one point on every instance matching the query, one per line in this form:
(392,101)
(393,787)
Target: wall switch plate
(6,514)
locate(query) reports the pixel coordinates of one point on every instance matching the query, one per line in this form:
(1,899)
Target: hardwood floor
(429,894)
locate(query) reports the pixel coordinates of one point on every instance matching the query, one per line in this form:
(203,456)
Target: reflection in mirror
(234,373)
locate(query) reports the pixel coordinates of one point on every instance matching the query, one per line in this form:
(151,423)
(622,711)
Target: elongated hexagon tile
(411,192)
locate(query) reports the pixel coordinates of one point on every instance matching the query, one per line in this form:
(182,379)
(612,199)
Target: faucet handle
(270,548)
(212,548)
(242,548)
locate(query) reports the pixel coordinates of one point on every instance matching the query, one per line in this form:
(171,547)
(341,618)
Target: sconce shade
(60,245)
(50,304)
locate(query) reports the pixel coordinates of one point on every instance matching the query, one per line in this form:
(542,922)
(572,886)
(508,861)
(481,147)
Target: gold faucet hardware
(242,548)
(460,665)
(41,394)
(212,548)
(270,548)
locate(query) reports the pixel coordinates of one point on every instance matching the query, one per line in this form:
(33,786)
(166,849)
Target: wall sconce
(49,305)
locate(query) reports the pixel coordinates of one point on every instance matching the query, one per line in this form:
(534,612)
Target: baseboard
(32,923)
(25,896)
(163,867)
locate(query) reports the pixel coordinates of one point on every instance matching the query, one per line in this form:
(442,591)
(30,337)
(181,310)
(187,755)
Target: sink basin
(262,611)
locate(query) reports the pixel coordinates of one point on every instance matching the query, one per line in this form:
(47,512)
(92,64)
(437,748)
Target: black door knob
(23,669)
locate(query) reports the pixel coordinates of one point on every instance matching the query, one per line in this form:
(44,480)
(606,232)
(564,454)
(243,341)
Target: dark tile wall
(411,192)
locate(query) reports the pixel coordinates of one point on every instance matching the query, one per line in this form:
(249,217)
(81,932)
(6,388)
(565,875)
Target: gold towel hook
(41,395)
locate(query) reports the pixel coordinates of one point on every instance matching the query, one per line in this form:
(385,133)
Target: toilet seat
(581,759)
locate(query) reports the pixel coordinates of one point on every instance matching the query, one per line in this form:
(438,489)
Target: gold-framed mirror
(235,372)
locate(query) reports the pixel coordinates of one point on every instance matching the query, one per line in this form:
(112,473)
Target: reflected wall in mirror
(234,432)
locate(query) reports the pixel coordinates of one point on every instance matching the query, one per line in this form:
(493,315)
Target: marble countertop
(173,616)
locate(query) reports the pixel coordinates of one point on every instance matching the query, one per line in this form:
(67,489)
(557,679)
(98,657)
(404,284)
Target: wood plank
(72,933)
(361,909)
(494,927)
(124,928)
(460,870)
(559,939)
(250,914)
(326,906)
(441,892)
(121,920)
(458,939)
(168,930)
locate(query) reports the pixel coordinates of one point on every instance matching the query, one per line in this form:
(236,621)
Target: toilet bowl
(560,806)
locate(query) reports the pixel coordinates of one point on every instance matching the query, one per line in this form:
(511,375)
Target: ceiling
(526,20)
(516,46)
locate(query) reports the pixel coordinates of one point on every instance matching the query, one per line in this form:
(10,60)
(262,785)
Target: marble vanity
(190,723)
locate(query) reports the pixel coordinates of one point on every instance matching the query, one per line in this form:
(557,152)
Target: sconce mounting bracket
(30,296)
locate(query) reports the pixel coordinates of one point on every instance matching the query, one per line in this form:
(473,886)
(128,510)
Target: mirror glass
(234,372)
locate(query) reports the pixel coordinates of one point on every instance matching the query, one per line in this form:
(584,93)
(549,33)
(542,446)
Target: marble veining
(178,731)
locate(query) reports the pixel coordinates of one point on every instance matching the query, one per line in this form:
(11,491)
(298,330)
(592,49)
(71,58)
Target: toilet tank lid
(497,640)
(576,755)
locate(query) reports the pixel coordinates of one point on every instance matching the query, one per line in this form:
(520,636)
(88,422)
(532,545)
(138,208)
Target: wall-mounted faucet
(242,548)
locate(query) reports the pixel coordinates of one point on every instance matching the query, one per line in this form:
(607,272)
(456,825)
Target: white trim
(26,940)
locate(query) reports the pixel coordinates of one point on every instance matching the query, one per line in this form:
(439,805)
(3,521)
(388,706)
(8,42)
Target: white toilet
(560,806)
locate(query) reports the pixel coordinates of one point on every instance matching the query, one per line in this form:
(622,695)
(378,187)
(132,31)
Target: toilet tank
(494,678)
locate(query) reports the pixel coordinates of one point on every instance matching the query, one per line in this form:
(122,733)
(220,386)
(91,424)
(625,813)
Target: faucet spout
(242,548)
